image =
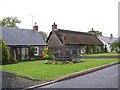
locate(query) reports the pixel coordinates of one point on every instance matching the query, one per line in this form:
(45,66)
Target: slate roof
(78,38)
(16,36)
(108,39)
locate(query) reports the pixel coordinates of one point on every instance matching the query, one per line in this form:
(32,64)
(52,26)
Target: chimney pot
(35,27)
(54,27)
(92,29)
(111,36)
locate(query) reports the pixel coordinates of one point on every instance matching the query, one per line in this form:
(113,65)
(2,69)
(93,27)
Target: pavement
(9,81)
(105,78)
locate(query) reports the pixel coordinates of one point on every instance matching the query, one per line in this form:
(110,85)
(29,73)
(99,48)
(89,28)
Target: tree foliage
(115,46)
(43,34)
(5,53)
(94,49)
(88,50)
(45,53)
(10,22)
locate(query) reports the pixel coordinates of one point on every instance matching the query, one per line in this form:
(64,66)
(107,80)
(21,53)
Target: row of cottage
(20,42)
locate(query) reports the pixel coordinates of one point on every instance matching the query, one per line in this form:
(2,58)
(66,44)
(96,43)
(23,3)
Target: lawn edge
(76,74)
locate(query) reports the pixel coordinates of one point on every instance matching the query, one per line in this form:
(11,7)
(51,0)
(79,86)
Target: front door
(19,54)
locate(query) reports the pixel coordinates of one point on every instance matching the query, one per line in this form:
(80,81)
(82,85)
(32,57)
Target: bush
(5,53)
(105,49)
(32,50)
(32,59)
(48,62)
(94,49)
(88,50)
(13,60)
(115,46)
(57,62)
(102,49)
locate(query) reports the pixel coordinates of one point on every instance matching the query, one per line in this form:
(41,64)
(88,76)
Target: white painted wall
(107,45)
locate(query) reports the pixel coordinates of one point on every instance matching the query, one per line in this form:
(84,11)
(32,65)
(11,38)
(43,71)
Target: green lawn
(39,70)
(102,54)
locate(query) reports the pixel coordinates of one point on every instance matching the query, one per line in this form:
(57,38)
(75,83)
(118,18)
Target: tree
(5,53)
(9,22)
(44,35)
(115,46)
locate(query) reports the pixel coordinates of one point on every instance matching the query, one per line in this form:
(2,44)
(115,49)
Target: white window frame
(36,51)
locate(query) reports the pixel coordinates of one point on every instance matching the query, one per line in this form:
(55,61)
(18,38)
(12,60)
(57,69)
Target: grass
(102,54)
(39,70)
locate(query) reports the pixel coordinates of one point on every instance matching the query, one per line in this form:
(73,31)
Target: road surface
(105,78)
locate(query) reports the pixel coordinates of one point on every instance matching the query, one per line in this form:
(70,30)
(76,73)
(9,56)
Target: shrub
(46,57)
(45,52)
(13,60)
(94,49)
(5,53)
(32,59)
(48,62)
(105,50)
(32,50)
(88,50)
(102,49)
(115,46)
(98,50)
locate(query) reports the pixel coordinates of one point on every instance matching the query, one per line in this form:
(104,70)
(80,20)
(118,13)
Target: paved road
(105,78)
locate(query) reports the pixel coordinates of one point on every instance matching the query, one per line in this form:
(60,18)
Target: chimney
(35,27)
(111,36)
(92,29)
(54,27)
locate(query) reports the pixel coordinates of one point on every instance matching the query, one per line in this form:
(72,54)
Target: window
(36,51)
(23,53)
(27,51)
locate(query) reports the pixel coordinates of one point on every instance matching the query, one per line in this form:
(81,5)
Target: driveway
(105,78)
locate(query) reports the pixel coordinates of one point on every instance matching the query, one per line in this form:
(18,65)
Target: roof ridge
(17,28)
(77,32)
(108,37)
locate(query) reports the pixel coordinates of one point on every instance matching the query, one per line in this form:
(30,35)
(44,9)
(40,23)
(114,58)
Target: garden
(42,71)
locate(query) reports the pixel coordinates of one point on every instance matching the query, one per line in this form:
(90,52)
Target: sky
(76,15)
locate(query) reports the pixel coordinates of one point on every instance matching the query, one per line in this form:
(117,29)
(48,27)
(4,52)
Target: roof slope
(74,37)
(16,36)
(108,39)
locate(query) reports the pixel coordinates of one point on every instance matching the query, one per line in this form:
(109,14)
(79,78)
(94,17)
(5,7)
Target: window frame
(36,51)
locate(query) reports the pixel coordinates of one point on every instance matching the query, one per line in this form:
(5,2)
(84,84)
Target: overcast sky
(77,15)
